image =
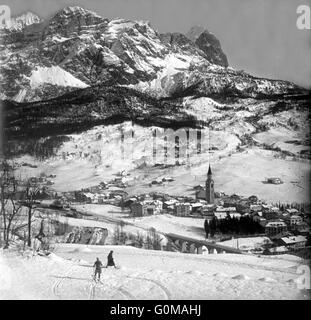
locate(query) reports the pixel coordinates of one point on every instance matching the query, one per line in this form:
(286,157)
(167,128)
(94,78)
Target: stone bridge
(191,245)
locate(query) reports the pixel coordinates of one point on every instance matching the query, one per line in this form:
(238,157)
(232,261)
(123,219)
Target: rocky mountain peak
(76,11)
(72,19)
(209,44)
(194,33)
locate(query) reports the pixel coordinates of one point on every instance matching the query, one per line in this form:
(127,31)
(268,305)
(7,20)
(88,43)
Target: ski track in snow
(92,290)
(107,289)
(125,293)
(57,283)
(166,292)
(94,285)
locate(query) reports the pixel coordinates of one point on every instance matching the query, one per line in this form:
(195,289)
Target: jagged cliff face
(209,44)
(77,48)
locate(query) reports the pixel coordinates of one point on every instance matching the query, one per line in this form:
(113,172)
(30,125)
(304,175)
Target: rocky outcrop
(74,21)
(179,42)
(84,235)
(209,44)
(66,233)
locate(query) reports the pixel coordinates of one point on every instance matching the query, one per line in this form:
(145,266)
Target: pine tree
(213,227)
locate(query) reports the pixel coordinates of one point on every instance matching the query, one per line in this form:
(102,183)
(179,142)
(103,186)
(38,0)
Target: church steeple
(209,173)
(209,185)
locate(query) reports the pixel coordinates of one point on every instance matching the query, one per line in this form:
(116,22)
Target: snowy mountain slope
(54,75)
(147,275)
(238,165)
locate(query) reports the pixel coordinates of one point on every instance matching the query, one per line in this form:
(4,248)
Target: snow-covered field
(66,274)
(96,155)
(242,174)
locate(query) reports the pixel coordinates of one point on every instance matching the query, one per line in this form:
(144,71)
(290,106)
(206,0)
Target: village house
(169,205)
(158,206)
(198,187)
(167,179)
(221,215)
(128,201)
(278,250)
(293,220)
(293,242)
(208,209)
(146,208)
(226,209)
(301,229)
(292,211)
(182,209)
(87,197)
(269,212)
(196,207)
(273,228)
(269,208)
(223,212)
(274,181)
(140,209)
(255,207)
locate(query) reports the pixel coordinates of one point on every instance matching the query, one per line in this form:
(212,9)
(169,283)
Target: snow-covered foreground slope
(66,274)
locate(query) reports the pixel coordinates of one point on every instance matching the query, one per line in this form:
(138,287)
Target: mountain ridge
(88,50)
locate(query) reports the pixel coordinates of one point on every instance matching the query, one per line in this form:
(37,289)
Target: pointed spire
(209,173)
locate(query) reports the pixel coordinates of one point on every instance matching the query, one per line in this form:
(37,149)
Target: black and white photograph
(155,150)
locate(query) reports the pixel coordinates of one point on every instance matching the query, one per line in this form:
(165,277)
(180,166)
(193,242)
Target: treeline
(302,207)
(244,225)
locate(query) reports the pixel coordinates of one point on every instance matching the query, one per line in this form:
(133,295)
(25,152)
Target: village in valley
(239,224)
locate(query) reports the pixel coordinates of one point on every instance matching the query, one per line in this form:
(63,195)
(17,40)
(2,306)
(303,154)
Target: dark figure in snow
(98,268)
(206,228)
(110,261)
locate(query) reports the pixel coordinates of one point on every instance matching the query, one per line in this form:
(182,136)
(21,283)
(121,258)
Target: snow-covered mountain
(78,70)
(78,48)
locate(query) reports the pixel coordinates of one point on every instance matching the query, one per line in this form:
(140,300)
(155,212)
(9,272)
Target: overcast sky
(259,36)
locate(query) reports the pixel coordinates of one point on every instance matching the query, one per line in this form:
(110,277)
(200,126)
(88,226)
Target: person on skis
(97,269)
(110,261)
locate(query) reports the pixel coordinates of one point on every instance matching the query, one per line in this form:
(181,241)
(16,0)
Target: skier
(110,261)
(98,269)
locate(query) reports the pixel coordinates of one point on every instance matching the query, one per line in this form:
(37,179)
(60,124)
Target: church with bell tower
(208,192)
(209,187)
